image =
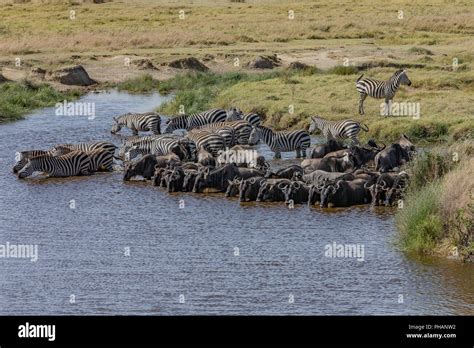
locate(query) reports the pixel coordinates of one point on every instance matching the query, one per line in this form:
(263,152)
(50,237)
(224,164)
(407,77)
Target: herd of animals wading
(216,153)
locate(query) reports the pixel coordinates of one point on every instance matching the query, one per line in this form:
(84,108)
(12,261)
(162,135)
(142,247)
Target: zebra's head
(254,137)
(27,170)
(403,78)
(312,126)
(233,114)
(116,127)
(22,160)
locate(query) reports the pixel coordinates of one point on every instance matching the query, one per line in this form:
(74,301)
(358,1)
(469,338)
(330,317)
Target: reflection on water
(223,257)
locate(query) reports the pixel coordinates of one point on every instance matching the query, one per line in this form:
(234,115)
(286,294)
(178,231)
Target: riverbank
(437,213)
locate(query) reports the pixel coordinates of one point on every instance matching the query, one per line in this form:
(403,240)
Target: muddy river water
(129,248)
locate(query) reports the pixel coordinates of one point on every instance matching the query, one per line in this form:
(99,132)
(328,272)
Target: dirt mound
(188,63)
(298,66)
(145,64)
(75,76)
(265,62)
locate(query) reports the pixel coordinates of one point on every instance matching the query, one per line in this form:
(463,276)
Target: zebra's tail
(364,127)
(359,78)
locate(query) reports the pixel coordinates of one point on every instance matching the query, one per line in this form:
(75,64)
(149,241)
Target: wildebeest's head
(289,190)
(233,187)
(314,193)
(189,179)
(200,180)
(329,191)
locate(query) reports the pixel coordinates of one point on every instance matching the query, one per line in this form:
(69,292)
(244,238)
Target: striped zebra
(284,141)
(71,164)
(148,121)
(192,121)
(337,130)
(159,147)
(252,118)
(226,132)
(100,158)
(380,89)
(23,156)
(242,130)
(62,149)
(234,114)
(209,141)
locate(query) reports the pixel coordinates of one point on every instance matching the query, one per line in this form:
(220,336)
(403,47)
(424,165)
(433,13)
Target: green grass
(17,99)
(141,84)
(419,222)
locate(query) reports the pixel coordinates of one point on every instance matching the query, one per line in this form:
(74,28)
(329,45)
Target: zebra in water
(71,164)
(62,149)
(159,147)
(23,156)
(284,141)
(100,158)
(209,141)
(252,118)
(148,121)
(337,130)
(226,132)
(192,121)
(380,89)
(242,130)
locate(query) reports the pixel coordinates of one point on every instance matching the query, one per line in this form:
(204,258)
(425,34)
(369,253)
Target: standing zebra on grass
(148,121)
(252,118)
(284,141)
(62,149)
(337,130)
(192,121)
(23,157)
(380,89)
(71,164)
(209,141)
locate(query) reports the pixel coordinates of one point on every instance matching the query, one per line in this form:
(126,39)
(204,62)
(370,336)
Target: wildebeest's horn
(252,180)
(296,185)
(384,184)
(281,185)
(368,187)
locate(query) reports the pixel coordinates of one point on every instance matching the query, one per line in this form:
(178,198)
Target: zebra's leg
(298,153)
(362,97)
(277,154)
(304,152)
(388,105)
(134,131)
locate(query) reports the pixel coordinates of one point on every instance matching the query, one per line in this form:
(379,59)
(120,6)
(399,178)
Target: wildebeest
(345,193)
(297,193)
(233,187)
(284,173)
(317,177)
(146,165)
(383,190)
(329,164)
(219,177)
(249,188)
(174,179)
(394,156)
(270,190)
(319,151)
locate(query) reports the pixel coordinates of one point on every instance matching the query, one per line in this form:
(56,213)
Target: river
(131,248)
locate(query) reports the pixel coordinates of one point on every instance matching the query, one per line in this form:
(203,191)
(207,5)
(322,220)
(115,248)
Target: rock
(145,64)
(265,62)
(188,63)
(298,66)
(76,76)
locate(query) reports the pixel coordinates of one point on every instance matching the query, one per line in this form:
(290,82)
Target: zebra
(209,141)
(99,157)
(23,156)
(337,130)
(381,89)
(284,141)
(234,114)
(226,132)
(71,164)
(242,129)
(62,149)
(252,118)
(159,147)
(148,121)
(192,121)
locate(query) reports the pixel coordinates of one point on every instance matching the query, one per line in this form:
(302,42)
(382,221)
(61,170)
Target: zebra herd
(201,158)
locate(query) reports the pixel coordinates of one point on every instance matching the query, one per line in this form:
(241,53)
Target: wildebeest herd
(217,153)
